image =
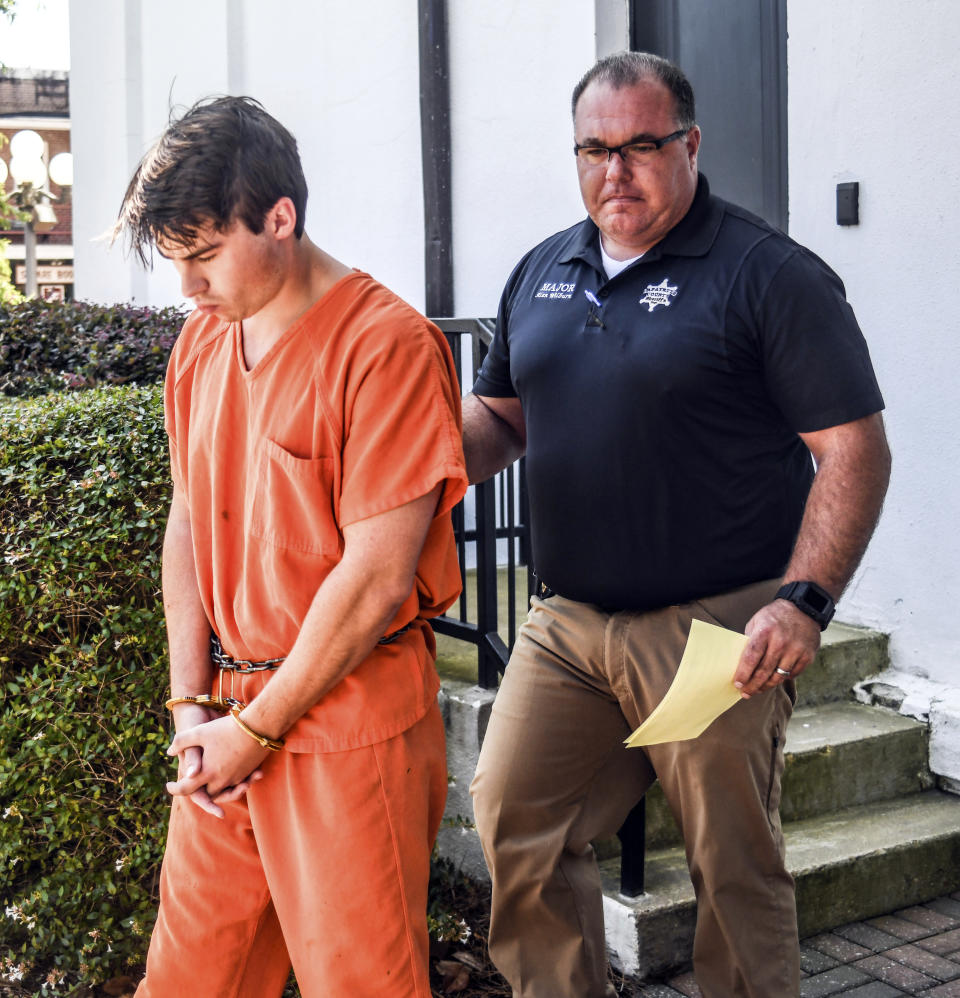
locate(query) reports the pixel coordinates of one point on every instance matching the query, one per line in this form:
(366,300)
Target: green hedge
(47,346)
(84,486)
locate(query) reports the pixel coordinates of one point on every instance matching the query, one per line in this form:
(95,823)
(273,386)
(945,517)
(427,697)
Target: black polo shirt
(663,456)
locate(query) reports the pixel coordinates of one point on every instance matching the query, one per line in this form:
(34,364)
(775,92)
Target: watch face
(809,598)
(815,599)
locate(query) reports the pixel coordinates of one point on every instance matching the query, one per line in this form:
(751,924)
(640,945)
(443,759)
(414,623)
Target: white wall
(102,87)
(344,79)
(872,97)
(513,66)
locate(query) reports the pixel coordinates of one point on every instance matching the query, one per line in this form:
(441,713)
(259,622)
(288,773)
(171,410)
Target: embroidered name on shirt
(658,294)
(554,289)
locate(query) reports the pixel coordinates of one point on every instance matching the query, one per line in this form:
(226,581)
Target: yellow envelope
(701,690)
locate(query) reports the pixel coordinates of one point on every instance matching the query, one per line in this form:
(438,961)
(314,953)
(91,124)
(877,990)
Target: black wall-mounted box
(848,203)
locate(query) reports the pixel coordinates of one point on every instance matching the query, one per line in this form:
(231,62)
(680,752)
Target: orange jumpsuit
(325,862)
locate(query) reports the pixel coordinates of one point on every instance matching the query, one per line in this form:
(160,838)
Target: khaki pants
(324,863)
(554,775)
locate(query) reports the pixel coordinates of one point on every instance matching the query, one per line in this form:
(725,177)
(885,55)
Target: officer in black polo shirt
(672,367)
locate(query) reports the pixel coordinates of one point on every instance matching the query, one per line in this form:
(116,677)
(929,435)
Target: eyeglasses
(633,153)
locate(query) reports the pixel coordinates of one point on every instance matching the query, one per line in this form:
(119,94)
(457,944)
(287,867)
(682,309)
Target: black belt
(388,639)
(541,590)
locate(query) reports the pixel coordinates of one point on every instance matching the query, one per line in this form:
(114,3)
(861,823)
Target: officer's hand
(781,638)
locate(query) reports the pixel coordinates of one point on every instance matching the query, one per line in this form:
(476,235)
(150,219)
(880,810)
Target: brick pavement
(913,951)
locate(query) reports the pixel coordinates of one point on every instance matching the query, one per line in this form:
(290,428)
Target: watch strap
(811,599)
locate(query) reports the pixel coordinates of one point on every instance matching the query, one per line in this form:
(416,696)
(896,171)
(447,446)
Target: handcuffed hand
(218,763)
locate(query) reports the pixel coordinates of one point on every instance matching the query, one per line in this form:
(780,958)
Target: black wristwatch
(812,599)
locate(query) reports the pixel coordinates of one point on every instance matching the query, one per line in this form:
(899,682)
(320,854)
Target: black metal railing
(490,525)
(499,513)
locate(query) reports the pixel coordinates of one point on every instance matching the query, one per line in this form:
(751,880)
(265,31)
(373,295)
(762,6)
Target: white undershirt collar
(614,267)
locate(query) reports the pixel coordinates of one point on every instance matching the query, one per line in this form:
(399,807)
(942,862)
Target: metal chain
(229,664)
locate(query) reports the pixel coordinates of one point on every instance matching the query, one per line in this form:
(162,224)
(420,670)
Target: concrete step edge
(839,722)
(842,835)
(847,655)
(917,818)
(827,748)
(889,855)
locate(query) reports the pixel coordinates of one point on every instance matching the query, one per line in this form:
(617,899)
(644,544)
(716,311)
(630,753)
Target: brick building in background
(39,100)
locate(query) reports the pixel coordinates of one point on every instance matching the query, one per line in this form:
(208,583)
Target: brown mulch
(465,970)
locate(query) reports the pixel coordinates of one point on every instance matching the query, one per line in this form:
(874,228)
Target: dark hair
(627,68)
(224,160)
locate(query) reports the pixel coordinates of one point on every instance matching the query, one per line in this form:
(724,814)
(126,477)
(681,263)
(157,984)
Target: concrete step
(849,754)
(854,864)
(847,656)
(836,752)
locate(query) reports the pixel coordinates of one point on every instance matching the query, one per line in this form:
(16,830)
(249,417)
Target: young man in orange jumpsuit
(314,431)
